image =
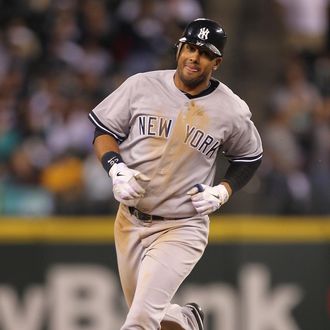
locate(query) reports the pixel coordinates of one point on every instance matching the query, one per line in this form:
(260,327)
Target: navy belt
(147,217)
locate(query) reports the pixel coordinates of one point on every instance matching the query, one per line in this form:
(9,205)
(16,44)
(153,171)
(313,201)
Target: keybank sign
(88,297)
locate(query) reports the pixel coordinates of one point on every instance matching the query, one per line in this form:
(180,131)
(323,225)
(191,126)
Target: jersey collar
(213,85)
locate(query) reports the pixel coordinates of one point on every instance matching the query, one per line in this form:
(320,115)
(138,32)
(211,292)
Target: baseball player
(158,136)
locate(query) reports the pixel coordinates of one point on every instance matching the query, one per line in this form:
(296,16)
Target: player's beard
(192,82)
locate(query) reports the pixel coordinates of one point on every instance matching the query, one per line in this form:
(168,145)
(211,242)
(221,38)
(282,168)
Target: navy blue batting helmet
(205,33)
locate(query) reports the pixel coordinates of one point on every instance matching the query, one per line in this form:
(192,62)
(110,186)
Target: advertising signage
(256,274)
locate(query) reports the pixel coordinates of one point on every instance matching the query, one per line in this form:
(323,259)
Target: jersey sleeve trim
(93,118)
(244,159)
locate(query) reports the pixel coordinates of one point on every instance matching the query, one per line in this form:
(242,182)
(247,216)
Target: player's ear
(217,63)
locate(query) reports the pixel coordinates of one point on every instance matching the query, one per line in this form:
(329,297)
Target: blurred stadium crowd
(59,58)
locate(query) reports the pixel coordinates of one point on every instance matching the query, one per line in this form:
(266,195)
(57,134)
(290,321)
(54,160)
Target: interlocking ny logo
(203,33)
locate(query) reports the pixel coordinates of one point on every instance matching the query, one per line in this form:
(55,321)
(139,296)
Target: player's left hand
(206,199)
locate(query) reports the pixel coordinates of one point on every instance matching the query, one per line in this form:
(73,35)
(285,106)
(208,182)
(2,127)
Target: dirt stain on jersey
(176,151)
(195,115)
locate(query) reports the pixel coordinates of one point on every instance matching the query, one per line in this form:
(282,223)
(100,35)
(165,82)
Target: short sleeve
(112,115)
(244,144)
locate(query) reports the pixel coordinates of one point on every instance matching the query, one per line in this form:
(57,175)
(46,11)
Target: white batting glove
(206,199)
(126,188)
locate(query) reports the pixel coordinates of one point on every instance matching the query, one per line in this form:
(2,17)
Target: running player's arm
(243,151)
(239,174)
(106,148)
(104,143)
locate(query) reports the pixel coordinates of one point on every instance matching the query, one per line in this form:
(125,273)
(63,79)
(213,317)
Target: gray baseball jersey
(174,139)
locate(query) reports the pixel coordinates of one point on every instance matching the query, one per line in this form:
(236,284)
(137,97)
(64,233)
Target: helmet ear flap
(178,49)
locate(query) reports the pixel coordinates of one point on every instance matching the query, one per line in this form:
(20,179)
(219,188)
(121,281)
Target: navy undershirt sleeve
(239,174)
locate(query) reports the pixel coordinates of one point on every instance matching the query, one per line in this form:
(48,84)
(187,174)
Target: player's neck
(191,90)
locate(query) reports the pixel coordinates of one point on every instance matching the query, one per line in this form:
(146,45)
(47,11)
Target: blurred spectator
(321,73)
(306,24)
(20,192)
(290,136)
(319,169)
(286,185)
(63,178)
(298,99)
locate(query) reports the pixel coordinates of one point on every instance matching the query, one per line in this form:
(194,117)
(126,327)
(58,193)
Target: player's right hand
(126,188)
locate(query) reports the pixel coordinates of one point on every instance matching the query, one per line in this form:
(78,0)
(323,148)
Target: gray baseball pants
(153,260)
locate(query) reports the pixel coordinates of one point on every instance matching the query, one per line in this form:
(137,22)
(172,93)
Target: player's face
(194,69)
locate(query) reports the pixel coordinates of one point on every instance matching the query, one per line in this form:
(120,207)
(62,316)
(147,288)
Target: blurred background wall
(59,58)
